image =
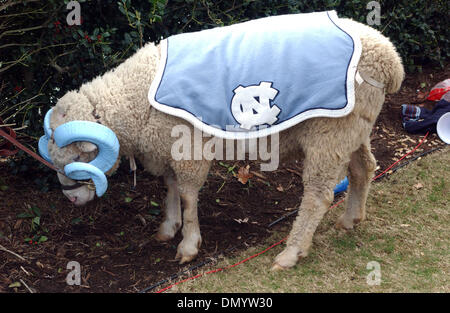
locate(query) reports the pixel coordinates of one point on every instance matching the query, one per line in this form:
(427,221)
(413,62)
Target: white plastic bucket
(443,128)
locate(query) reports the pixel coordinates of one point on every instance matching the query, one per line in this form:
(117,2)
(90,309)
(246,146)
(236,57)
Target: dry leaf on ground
(244,174)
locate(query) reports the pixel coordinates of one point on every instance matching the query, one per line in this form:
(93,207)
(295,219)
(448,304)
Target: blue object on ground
(342,186)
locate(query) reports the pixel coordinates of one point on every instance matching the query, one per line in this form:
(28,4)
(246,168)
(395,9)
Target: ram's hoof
(340,225)
(287,258)
(346,224)
(277,267)
(185,258)
(167,231)
(162,237)
(188,249)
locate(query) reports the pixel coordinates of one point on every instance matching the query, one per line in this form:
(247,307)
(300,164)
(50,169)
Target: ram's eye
(77,158)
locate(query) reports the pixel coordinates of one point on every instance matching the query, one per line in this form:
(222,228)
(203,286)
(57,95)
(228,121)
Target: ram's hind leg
(172,210)
(320,176)
(361,169)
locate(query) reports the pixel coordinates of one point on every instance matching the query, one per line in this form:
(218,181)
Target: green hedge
(41,57)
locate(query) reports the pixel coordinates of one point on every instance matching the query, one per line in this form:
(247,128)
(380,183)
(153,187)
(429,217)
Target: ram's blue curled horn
(47,129)
(43,148)
(100,135)
(81,170)
(43,141)
(103,137)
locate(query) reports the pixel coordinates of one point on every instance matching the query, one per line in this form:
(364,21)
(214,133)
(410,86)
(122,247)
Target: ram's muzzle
(100,135)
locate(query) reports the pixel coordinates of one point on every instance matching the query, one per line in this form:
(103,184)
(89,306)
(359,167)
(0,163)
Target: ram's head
(83,151)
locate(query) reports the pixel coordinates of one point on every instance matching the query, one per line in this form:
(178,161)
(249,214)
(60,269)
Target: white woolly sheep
(331,147)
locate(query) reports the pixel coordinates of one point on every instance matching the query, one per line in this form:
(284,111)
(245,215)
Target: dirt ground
(113,237)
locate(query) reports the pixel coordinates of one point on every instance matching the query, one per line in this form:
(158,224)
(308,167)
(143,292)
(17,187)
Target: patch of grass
(407,231)
(437,192)
(344,244)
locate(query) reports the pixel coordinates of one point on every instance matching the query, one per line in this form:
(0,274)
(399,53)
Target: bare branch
(20,128)
(18,104)
(8,125)
(18,44)
(59,68)
(24,56)
(12,3)
(11,252)
(56,66)
(37,11)
(23,283)
(20,30)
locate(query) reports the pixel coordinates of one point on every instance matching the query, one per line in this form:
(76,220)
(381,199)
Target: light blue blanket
(259,77)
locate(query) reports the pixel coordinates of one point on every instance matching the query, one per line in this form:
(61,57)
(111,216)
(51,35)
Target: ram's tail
(396,72)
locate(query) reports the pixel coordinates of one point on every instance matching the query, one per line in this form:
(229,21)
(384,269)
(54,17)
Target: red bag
(439,90)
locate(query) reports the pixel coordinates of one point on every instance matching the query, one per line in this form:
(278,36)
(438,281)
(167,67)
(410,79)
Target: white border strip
(351,72)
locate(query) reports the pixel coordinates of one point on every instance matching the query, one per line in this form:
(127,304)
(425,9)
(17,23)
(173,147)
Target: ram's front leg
(191,175)
(172,211)
(188,248)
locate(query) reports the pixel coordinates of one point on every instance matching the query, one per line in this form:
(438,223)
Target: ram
(86,127)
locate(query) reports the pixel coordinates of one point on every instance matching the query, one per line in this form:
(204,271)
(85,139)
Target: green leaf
(43,239)
(37,220)
(121,9)
(4,188)
(128,38)
(106,49)
(24,215)
(15,285)
(36,211)
(153,203)
(128,199)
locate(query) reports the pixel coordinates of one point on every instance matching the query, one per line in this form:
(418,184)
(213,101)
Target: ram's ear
(86,146)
